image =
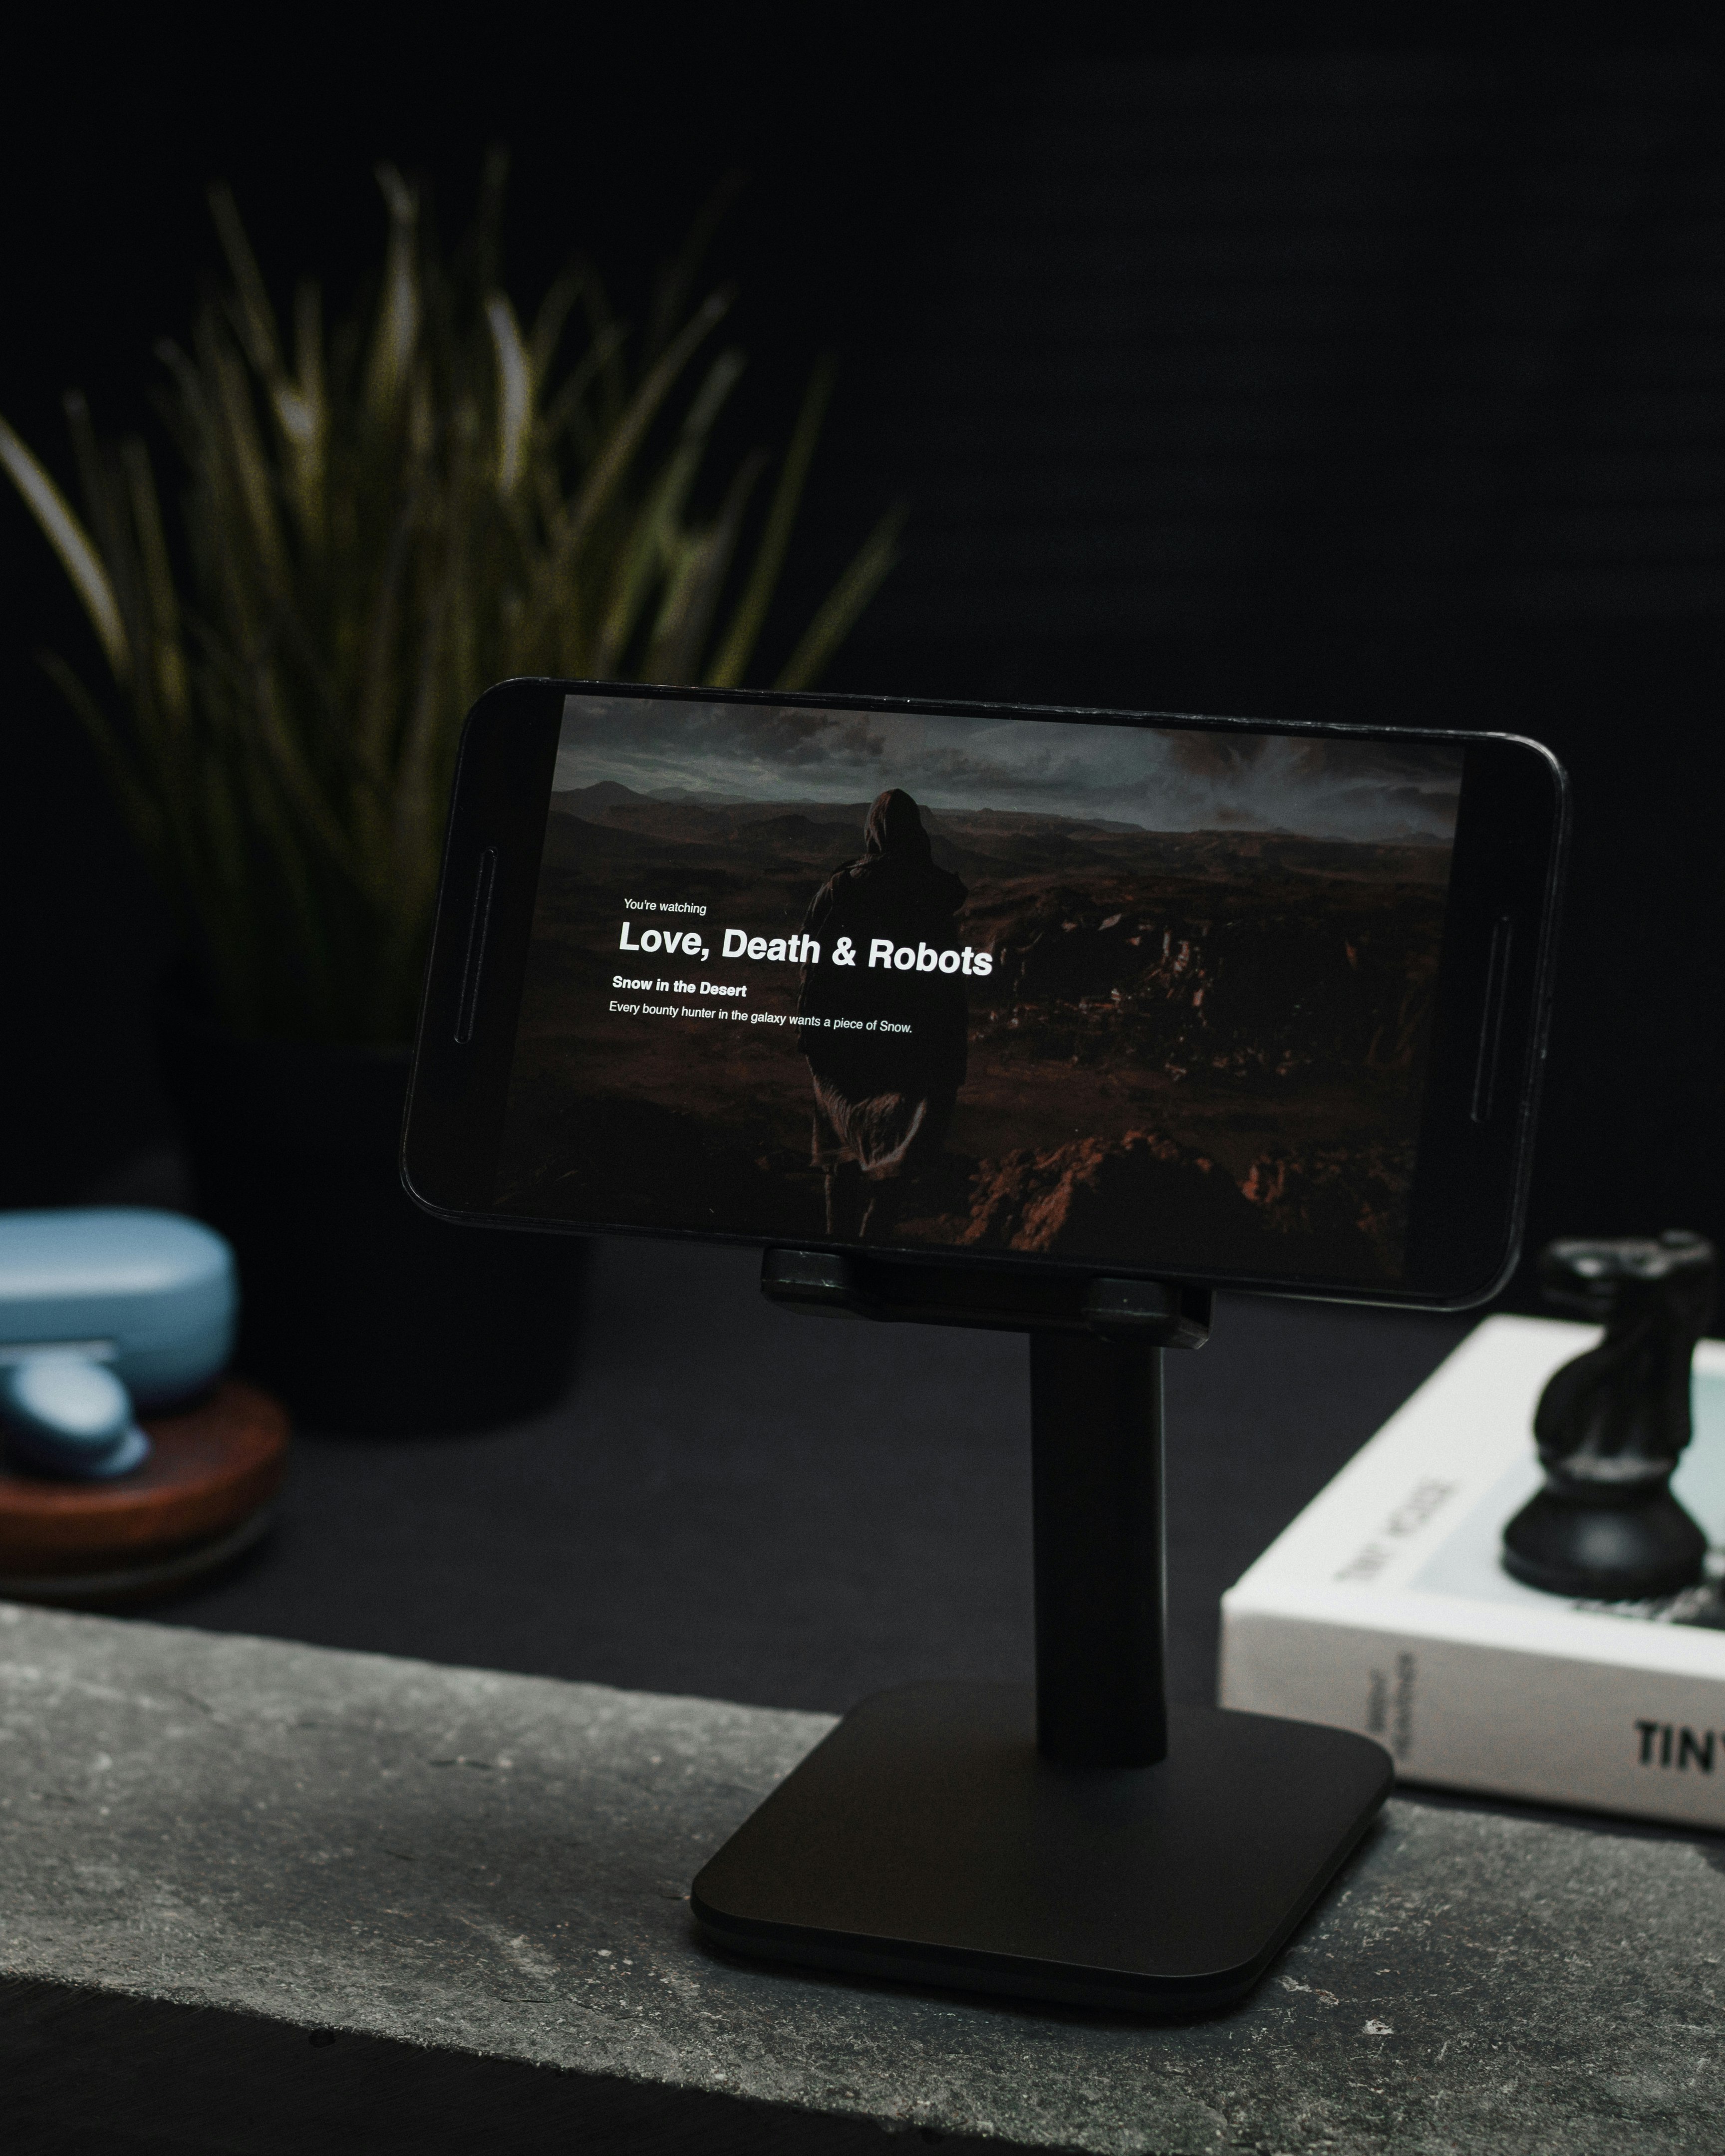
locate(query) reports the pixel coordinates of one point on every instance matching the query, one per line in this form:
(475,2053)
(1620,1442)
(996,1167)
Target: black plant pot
(362,1312)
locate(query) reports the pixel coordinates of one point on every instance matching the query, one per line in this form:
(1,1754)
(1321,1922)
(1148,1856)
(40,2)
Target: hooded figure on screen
(886,1034)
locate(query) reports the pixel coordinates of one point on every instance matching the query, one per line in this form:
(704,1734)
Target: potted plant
(374,521)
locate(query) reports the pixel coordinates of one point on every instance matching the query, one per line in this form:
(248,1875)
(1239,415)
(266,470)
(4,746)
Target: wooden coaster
(202,1496)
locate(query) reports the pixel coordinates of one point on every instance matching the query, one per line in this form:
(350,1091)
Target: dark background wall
(1316,377)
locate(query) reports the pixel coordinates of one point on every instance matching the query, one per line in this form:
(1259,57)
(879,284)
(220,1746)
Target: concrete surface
(261,1896)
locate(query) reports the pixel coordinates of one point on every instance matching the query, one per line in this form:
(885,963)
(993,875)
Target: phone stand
(1082,1841)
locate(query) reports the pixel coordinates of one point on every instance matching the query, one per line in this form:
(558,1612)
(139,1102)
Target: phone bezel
(1470,1180)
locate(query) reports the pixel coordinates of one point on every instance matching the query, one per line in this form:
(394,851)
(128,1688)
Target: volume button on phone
(474,963)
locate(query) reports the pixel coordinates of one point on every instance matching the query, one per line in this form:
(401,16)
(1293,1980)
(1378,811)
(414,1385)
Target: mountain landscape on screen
(1201,1046)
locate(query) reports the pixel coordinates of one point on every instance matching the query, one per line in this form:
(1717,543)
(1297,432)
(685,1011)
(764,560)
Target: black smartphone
(1207,999)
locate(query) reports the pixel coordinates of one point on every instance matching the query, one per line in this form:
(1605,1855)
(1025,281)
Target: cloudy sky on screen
(1179,780)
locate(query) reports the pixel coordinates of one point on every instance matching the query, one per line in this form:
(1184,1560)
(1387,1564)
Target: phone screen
(1113,995)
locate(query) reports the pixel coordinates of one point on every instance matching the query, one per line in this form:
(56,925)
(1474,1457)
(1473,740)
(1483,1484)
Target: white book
(1385,1608)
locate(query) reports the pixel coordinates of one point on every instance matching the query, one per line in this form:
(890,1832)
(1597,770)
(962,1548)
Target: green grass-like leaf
(376,521)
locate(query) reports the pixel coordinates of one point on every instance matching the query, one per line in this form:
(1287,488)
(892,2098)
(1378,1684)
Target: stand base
(926,1840)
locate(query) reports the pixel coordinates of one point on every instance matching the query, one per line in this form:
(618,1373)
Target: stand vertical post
(1101,1595)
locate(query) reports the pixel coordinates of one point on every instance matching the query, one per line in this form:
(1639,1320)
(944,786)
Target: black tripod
(1085,1841)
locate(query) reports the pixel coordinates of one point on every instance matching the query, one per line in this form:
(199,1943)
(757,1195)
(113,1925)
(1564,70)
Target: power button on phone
(1485,1076)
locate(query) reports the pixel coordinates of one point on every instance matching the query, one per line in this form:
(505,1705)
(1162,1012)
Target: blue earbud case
(104,1308)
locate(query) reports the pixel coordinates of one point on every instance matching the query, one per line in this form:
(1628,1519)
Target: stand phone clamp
(1083,1843)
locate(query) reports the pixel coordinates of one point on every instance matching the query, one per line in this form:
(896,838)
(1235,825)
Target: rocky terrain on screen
(1202,1042)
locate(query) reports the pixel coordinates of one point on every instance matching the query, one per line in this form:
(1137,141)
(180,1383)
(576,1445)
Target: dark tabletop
(793,1511)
